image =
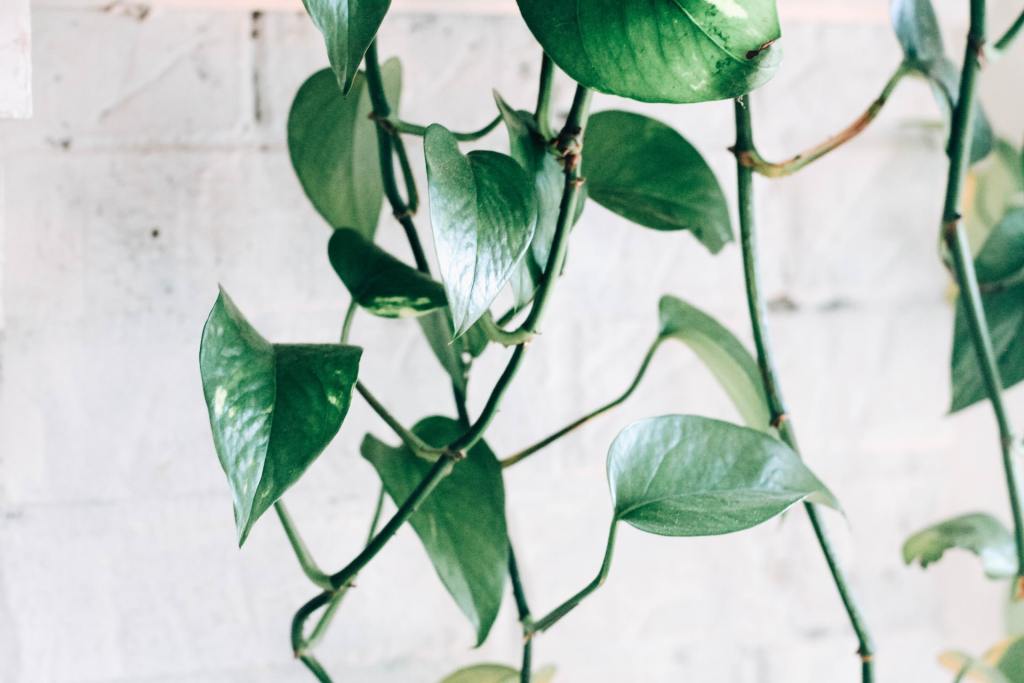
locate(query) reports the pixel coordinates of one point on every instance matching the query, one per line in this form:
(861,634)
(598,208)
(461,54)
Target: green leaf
(945,80)
(995,187)
(528,147)
(1002,256)
(484,216)
(333,148)
(450,353)
(646,172)
(723,354)
(978,533)
(349,26)
(378,281)
(461,524)
(967,668)
(660,51)
(682,475)
(273,407)
(496,673)
(1009,658)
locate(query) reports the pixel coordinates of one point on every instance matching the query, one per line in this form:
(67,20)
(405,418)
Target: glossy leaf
(977,533)
(461,524)
(646,172)
(484,216)
(333,148)
(496,673)
(348,26)
(527,146)
(273,407)
(665,51)
(724,355)
(378,281)
(682,475)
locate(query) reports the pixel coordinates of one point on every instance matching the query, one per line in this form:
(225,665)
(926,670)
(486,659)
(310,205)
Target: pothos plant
(502,221)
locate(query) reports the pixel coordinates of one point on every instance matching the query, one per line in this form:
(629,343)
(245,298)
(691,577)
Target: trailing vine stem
(615,403)
(1011,34)
(772,388)
(523,610)
(753,160)
(955,237)
(406,128)
(542,113)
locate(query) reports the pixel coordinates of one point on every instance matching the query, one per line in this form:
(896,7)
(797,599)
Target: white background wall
(155,167)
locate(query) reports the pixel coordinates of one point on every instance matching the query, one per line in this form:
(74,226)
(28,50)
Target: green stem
(752,159)
(523,610)
(499,335)
(306,561)
(346,325)
(408,178)
(404,127)
(547,441)
(543,111)
(410,440)
(315,667)
(385,148)
(955,237)
(769,377)
(569,605)
(1011,34)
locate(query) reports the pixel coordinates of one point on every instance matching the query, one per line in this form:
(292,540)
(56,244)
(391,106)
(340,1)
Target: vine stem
(955,237)
(543,111)
(309,566)
(615,403)
(399,126)
(523,610)
(1011,34)
(410,440)
(753,160)
(773,391)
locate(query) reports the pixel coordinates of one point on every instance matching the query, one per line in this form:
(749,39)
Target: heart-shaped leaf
(273,407)
(529,148)
(646,172)
(663,51)
(333,148)
(918,32)
(682,475)
(348,26)
(723,354)
(484,216)
(378,281)
(461,524)
(496,673)
(978,533)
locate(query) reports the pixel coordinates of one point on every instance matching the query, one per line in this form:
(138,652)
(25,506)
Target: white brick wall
(155,168)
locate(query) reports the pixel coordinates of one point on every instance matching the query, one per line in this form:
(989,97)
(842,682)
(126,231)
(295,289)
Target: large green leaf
(978,533)
(496,673)
(528,147)
(682,475)
(333,148)
(484,216)
(1001,257)
(378,281)
(723,354)
(645,171)
(273,407)
(461,524)
(660,50)
(918,32)
(349,26)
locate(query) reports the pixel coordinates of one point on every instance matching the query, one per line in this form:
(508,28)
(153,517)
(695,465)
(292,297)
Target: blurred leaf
(496,673)
(969,669)
(484,217)
(977,533)
(1004,310)
(348,26)
(378,281)
(683,475)
(646,172)
(678,51)
(723,354)
(333,148)
(995,188)
(273,407)
(462,523)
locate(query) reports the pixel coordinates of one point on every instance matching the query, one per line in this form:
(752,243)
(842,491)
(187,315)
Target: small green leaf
(682,475)
(529,148)
(723,354)
(349,26)
(484,216)
(664,51)
(378,281)
(333,148)
(995,188)
(978,533)
(273,408)
(461,524)
(496,673)
(646,172)
(1002,256)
